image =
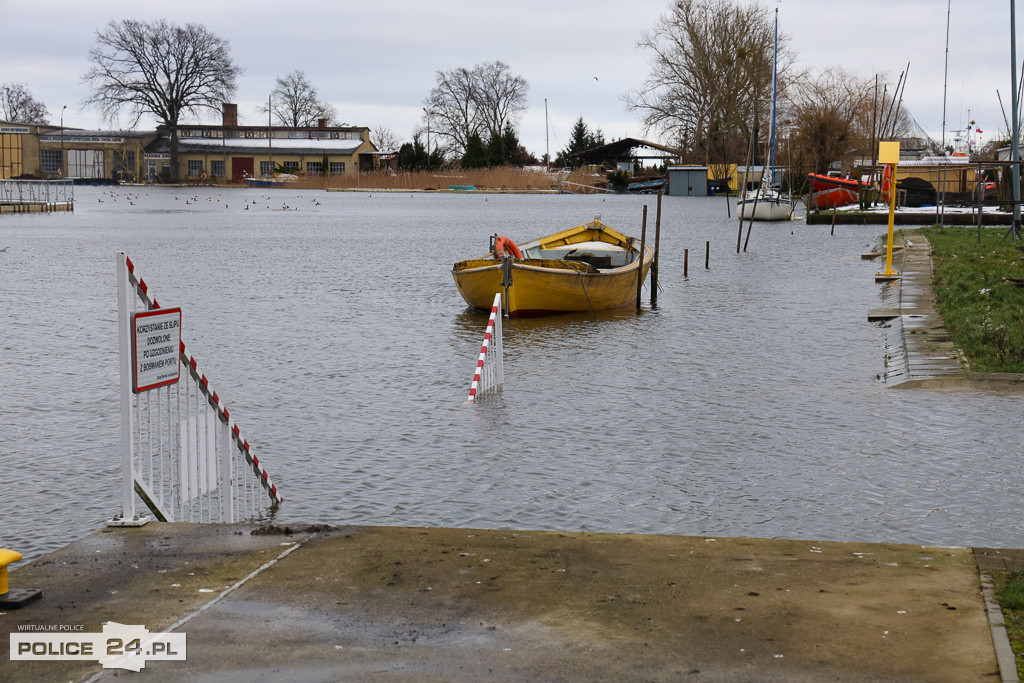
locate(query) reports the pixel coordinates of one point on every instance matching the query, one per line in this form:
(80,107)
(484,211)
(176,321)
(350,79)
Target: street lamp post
(60,168)
(427,112)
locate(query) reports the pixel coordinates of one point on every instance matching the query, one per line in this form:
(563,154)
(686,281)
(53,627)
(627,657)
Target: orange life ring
(886,182)
(503,244)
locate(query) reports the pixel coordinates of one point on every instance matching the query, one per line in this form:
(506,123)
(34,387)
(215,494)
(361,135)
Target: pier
(36,196)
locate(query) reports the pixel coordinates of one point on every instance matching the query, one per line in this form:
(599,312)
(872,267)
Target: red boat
(832,198)
(821,183)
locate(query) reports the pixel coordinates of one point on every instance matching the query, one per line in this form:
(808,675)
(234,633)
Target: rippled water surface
(747,403)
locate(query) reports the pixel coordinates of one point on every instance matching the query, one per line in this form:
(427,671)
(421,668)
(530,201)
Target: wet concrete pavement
(425,604)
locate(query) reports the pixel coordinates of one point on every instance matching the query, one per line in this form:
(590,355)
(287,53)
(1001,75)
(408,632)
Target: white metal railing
(569,187)
(490,371)
(49,192)
(181,452)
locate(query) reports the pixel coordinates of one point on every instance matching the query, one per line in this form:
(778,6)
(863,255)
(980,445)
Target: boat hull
(550,286)
(832,198)
(771,208)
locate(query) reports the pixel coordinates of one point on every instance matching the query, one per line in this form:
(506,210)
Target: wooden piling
(686,262)
(640,270)
(833,231)
(707,253)
(654,265)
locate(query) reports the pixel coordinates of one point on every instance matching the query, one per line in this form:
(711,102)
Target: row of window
(217,168)
(260,134)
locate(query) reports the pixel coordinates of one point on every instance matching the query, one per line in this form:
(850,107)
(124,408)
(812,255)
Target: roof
(624,148)
(258,145)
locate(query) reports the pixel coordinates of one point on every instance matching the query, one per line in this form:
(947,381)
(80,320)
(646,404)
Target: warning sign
(156,340)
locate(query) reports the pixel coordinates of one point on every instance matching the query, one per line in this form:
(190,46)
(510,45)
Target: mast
(1015,144)
(945,81)
(775,74)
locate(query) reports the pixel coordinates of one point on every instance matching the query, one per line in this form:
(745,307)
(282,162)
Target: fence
(490,372)
(181,452)
(38,192)
(569,187)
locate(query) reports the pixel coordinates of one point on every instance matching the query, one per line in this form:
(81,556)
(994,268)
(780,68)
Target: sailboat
(766,203)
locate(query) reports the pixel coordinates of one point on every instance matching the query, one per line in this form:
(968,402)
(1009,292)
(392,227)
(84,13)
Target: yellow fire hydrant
(17,597)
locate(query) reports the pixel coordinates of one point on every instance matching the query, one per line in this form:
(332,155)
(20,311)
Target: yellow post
(6,557)
(889,153)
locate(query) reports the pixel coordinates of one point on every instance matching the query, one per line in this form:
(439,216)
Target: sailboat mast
(775,73)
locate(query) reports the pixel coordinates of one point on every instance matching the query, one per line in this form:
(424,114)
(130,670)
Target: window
(337,168)
(195,167)
(217,169)
(291,167)
(313,167)
(49,160)
(124,165)
(266,169)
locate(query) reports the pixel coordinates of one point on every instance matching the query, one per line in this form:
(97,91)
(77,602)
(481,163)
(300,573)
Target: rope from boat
(583,283)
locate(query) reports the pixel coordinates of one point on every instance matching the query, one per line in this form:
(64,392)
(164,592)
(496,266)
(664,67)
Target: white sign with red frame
(156,341)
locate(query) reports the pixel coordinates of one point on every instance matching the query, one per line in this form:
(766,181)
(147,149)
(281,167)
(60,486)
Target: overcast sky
(377,61)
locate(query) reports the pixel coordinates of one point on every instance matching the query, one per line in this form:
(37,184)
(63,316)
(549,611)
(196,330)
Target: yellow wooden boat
(590,267)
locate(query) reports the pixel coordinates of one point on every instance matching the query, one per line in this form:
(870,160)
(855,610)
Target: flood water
(747,403)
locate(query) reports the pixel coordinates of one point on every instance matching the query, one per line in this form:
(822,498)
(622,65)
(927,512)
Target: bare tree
(482,100)
(711,76)
(824,113)
(837,116)
(159,68)
(18,106)
(295,102)
(501,96)
(385,139)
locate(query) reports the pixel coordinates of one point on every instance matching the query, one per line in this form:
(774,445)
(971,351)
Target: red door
(241,168)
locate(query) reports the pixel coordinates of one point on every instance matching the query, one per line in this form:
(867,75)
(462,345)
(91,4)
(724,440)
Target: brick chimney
(230,115)
(322,123)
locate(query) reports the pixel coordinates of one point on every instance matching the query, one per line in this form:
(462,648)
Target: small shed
(688,181)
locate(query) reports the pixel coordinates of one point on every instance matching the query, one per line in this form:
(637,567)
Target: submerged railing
(47,192)
(490,371)
(180,451)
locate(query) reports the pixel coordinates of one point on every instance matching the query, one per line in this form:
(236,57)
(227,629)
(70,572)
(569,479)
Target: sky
(376,62)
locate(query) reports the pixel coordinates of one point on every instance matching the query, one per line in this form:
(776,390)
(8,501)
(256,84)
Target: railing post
(226,481)
(128,516)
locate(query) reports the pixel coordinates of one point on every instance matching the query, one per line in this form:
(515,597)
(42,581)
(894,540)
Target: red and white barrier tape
(204,386)
(483,353)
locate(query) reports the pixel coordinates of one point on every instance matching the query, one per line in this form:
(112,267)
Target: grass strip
(980,294)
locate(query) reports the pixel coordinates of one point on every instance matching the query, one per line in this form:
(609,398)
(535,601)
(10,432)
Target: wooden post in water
(833,231)
(707,253)
(640,270)
(686,262)
(654,265)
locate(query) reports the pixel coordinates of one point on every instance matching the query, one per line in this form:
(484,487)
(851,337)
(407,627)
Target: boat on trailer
(590,267)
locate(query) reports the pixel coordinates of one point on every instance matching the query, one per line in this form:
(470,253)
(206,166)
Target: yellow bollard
(13,598)
(6,557)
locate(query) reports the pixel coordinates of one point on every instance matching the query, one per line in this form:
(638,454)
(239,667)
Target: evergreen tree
(476,153)
(580,139)
(515,153)
(496,153)
(412,156)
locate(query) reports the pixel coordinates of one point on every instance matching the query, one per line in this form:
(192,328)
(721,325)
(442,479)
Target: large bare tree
(484,100)
(159,68)
(18,106)
(295,102)
(837,116)
(711,76)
